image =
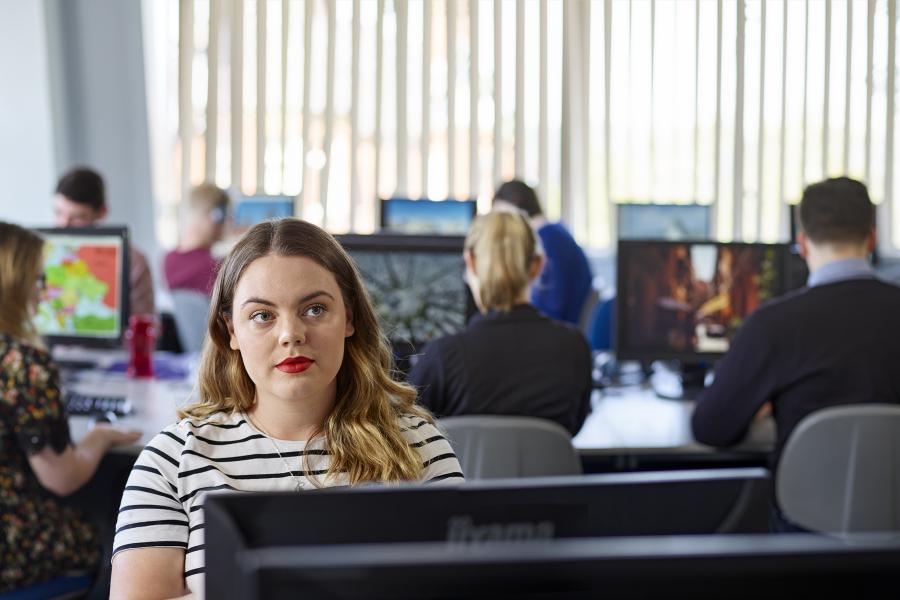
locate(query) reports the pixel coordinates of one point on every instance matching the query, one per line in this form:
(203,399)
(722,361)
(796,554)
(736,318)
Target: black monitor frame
(760,566)
(665,503)
(622,207)
(472,204)
(124,287)
(623,351)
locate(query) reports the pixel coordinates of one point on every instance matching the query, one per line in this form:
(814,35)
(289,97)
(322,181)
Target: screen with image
(256,209)
(417,283)
(85,300)
(419,217)
(663,221)
(680,300)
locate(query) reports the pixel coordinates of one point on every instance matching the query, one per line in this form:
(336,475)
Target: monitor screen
(256,209)
(420,217)
(684,300)
(87,286)
(416,283)
(663,221)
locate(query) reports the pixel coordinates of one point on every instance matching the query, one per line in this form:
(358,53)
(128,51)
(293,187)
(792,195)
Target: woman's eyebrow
(306,298)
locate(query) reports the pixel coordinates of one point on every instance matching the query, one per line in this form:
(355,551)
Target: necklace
(298,483)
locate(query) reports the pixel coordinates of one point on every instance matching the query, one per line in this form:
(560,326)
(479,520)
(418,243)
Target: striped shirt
(163,499)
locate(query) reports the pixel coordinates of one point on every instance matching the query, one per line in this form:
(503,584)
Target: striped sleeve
(151,515)
(439,462)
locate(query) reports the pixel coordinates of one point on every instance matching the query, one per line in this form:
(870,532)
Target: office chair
(191,309)
(840,470)
(494,446)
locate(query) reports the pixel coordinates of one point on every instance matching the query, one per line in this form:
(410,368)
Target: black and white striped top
(162,502)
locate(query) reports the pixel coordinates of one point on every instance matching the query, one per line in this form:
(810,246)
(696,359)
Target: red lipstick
(294,364)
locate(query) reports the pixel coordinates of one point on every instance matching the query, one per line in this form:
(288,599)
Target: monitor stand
(678,381)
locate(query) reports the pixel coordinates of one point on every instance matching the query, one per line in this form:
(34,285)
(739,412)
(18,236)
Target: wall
(27,162)
(99,103)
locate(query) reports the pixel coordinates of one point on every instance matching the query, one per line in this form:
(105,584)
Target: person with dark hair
(510,360)
(565,281)
(192,266)
(80,201)
(830,343)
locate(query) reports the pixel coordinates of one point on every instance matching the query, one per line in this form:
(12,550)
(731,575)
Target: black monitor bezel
(622,351)
(382,213)
(622,205)
(120,231)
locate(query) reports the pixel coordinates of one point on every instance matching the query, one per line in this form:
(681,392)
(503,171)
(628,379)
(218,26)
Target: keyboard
(84,404)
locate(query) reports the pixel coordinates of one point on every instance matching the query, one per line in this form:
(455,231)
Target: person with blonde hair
(39,538)
(192,266)
(295,393)
(511,359)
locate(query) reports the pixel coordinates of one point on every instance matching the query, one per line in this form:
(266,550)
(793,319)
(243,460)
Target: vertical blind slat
(451,99)
(696,164)
(737,227)
(237,93)
(761,131)
(870,58)
(805,88)
(212,89)
(425,140)
(826,88)
(885,222)
(307,112)
(329,110)
(849,70)
(185,103)
(520,89)
(474,170)
(379,70)
(354,114)
(261,95)
(400,6)
(781,141)
(543,126)
(717,170)
(498,95)
(285,38)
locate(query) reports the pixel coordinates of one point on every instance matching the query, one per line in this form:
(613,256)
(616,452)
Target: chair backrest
(493,446)
(600,327)
(840,470)
(191,309)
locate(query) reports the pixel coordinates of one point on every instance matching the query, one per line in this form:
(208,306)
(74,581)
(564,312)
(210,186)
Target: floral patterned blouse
(39,538)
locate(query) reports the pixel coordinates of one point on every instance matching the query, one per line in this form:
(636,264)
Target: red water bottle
(141,336)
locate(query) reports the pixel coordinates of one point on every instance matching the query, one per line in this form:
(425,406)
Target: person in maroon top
(192,266)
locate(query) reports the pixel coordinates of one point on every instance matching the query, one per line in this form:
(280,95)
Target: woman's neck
(289,419)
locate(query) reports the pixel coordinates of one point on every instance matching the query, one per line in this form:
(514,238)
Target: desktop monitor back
(86,301)
(417,285)
(424,217)
(663,221)
(707,567)
(686,300)
(670,503)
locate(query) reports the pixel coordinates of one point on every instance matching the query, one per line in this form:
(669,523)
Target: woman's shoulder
(221,427)
(14,350)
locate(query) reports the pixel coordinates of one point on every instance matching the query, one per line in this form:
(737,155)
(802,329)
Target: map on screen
(83,287)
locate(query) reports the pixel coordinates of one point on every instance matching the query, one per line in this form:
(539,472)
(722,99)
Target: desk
(155,403)
(631,427)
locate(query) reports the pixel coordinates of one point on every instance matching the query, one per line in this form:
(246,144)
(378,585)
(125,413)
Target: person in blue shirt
(565,282)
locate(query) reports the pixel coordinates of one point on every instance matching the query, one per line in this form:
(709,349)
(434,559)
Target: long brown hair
(362,431)
(21,262)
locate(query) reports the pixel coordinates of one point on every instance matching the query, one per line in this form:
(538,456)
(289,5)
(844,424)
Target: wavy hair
(21,263)
(505,246)
(362,431)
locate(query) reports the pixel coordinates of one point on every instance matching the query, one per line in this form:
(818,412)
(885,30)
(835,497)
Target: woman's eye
(261,317)
(316,310)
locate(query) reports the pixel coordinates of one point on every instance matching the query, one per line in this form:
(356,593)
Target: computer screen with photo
(422,217)
(686,300)
(85,301)
(417,284)
(255,209)
(663,221)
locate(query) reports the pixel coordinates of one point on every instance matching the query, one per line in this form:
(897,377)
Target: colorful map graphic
(82,292)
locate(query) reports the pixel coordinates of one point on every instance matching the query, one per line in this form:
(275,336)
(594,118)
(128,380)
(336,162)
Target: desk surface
(624,421)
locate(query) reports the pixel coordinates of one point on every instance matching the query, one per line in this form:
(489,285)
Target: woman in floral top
(39,538)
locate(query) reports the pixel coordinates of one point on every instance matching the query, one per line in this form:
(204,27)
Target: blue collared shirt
(841,270)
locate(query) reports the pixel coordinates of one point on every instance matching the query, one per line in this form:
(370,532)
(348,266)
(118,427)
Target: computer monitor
(665,503)
(686,300)
(255,209)
(695,567)
(417,284)
(87,286)
(422,217)
(663,221)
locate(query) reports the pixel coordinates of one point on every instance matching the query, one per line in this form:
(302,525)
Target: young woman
(39,538)
(511,359)
(295,393)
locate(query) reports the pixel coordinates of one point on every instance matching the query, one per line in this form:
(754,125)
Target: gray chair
(492,446)
(840,470)
(191,310)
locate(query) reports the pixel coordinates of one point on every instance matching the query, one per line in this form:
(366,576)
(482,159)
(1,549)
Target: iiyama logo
(463,530)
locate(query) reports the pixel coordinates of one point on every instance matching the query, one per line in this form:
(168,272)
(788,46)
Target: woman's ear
(537,265)
(469,258)
(349,329)
(232,341)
